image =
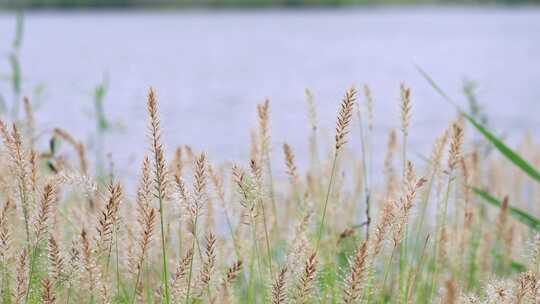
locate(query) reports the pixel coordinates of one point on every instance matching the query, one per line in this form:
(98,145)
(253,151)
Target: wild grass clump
(455,227)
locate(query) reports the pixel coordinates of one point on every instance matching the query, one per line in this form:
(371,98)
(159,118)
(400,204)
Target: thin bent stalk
(343,122)
(386,272)
(272,195)
(267,238)
(366,179)
(160,179)
(164,248)
(260,202)
(190,273)
(439,234)
(328,191)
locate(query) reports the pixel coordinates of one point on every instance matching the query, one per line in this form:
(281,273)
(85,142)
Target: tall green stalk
(163,247)
(328,191)
(439,231)
(342,128)
(367,193)
(386,272)
(266,236)
(160,179)
(272,195)
(30,273)
(190,273)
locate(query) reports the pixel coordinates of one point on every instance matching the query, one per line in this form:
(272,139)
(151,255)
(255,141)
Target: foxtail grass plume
(279,293)
(405,94)
(305,286)
(160,179)
(455,146)
(357,274)
(345,117)
(54,248)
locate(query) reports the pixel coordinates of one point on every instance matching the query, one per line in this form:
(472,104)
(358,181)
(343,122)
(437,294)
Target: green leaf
(15,73)
(499,144)
(505,150)
(99,96)
(517,266)
(19,31)
(520,215)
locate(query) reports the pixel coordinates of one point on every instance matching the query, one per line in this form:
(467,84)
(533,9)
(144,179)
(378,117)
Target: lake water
(210,68)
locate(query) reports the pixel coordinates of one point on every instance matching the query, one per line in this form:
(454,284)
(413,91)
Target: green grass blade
(499,144)
(517,266)
(505,150)
(19,31)
(437,88)
(520,215)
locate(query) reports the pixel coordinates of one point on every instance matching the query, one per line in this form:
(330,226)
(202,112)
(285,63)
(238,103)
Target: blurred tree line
(230,3)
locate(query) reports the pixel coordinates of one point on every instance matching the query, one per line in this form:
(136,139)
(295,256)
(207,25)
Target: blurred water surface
(210,68)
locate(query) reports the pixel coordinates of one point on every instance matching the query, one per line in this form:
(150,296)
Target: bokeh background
(86,66)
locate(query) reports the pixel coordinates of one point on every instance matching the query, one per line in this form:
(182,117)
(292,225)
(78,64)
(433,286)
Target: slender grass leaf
(506,151)
(520,215)
(19,31)
(499,144)
(517,266)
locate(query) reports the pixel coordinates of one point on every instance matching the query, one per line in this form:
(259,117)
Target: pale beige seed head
(147,220)
(160,168)
(290,164)
(369,104)
(455,146)
(233,272)
(391,148)
(180,273)
(56,261)
(450,294)
(145,185)
(21,280)
(177,166)
(41,221)
(386,220)
(217,181)
(357,274)
(47,294)
(5,229)
(209,263)
(438,151)
(405,94)
(263,112)
(406,201)
(526,288)
(256,174)
(108,216)
(304,288)
(279,294)
(77,145)
(312,109)
(88,262)
(200,175)
(344,117)
(34,169)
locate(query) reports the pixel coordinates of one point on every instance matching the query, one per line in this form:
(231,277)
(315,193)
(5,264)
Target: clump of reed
(455,227)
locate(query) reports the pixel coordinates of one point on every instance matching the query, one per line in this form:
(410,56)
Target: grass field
(459,226)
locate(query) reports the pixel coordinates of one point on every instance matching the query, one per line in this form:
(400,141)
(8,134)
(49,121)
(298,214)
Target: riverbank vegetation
(458,227)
